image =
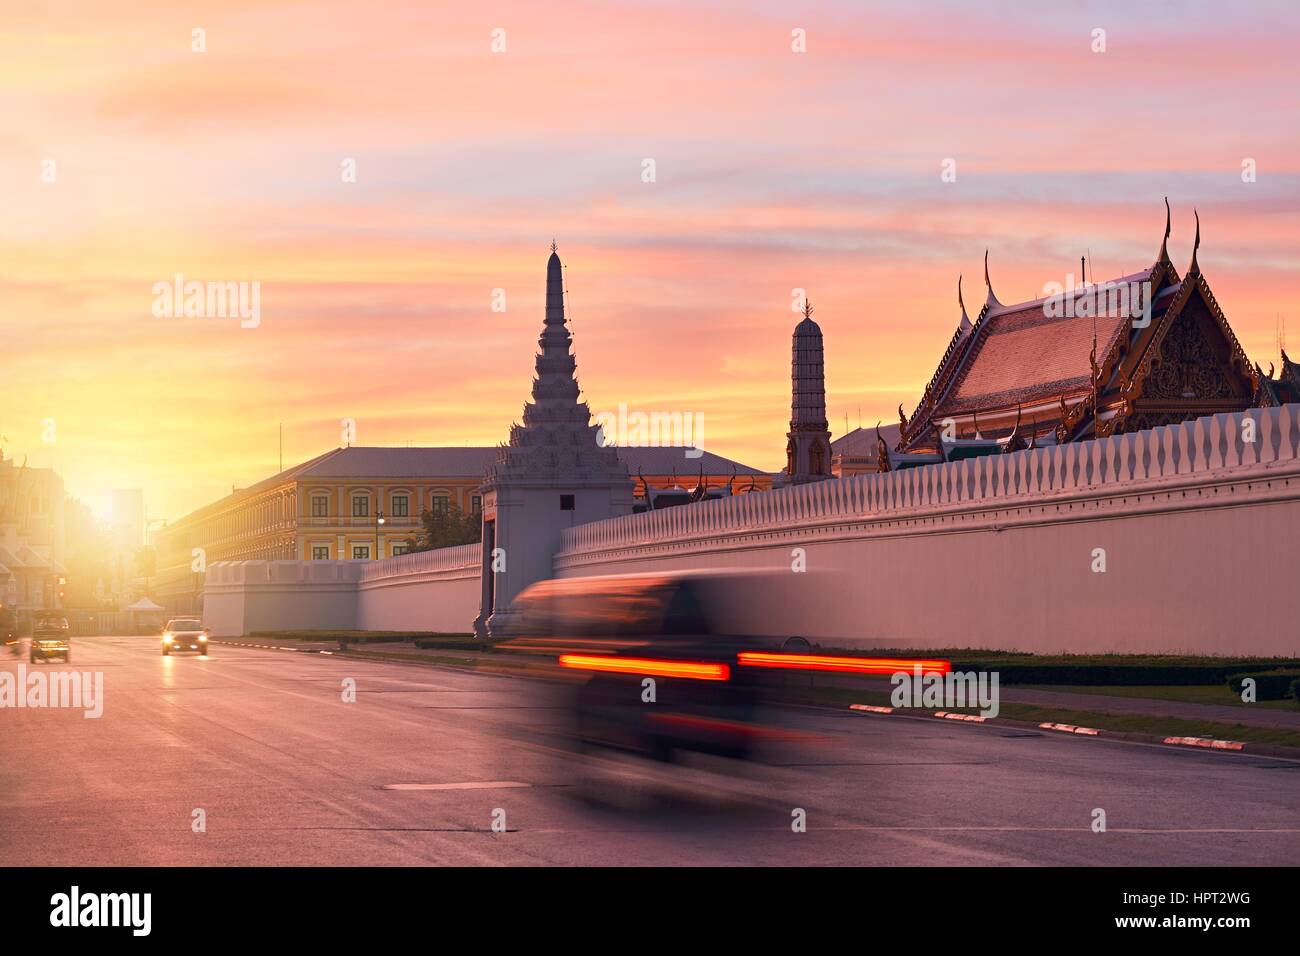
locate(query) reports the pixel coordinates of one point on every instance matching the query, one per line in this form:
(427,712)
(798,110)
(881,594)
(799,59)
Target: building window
(401,506)
(400,549)
(320,552)
(361,506)
(476,503)
(361,552)
(441,504)
(566,502)
(320,506)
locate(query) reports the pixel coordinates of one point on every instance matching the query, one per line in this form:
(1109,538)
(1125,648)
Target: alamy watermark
(83,690)
(129,910)
(192,299)
(1131,300)
(638,429)
(952,691)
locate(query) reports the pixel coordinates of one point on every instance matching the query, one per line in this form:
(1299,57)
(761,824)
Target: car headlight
(203,637)
(167,638)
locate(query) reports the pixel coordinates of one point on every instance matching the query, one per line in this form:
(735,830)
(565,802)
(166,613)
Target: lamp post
(379,520)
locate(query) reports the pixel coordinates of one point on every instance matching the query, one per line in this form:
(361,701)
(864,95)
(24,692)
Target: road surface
(418,768)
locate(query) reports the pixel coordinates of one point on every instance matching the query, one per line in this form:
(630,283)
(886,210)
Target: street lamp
(379,520)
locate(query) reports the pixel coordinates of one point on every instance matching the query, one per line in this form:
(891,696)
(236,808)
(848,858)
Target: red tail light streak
(845,665)
(650,667)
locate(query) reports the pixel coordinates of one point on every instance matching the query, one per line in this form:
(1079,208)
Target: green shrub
(450,642)
(351,637)
(1131,675)
(1269,685)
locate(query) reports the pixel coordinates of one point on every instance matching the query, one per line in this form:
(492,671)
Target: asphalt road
(288,773)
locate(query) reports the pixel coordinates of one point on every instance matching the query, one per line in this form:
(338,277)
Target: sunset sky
(775,170)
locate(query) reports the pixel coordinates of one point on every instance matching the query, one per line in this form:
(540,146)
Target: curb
(1071,729)
(265,647)
(1204,743)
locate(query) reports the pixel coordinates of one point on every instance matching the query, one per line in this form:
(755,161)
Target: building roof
(1021,354)
(362,462)
(471,462)
(861,442)
(661,460)
(30,558)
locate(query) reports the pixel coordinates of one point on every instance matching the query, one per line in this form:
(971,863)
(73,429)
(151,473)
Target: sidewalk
(1058,699)
(1100,703)
(1142,706)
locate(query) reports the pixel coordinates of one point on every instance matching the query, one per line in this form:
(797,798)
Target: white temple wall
(424,591)
(1200,532)
(245,596)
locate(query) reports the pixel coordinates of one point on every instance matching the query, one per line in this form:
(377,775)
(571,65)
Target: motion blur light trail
(647,666)
(850,665)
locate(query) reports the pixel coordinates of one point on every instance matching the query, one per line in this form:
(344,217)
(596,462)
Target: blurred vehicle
(49,638)
(184,634)
(658,676)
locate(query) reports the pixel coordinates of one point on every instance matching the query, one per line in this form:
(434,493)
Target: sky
(128,157)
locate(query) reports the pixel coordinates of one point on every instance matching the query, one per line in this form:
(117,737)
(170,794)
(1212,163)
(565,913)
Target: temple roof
(1020,354)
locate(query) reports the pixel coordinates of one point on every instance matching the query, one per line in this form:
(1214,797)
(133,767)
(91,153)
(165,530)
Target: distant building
(327,508)
(857,452)
(32,523)
(128,519)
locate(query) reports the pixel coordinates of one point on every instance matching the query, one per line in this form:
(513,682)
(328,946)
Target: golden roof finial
(1196,244)
(1164,243)
(992,298)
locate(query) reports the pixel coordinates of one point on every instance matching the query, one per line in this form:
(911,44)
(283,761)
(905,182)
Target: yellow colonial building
(359,504)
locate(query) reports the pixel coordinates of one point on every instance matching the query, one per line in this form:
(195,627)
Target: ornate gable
(1192,365)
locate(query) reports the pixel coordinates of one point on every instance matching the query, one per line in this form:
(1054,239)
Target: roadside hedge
(451,642)
(359,637)
(1130,675)
(1269,685)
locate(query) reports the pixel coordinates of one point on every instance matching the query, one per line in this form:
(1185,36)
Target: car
(185,634)
(631,639)
(49,638)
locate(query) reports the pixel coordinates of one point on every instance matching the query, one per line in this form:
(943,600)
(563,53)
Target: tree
(446,529)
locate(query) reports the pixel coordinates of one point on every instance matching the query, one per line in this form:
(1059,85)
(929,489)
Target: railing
(455,558)
(1201,447)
